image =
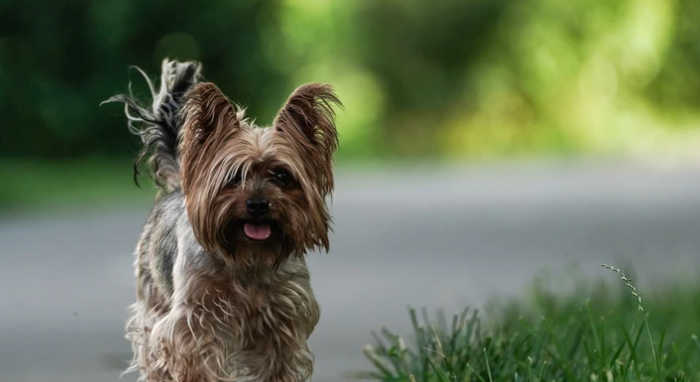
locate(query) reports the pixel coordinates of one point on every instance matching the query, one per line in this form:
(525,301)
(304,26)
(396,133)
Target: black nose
(257,207)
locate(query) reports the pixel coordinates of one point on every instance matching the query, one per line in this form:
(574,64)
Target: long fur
(158,126)
(212,304)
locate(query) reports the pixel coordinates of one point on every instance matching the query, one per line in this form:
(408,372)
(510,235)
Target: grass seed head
(627,282)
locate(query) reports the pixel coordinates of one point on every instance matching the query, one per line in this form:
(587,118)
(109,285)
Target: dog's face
(252,190)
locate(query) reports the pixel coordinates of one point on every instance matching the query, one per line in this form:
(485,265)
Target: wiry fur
(212,304)
(158,126)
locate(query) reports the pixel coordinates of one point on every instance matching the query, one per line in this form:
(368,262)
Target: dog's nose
(257,207)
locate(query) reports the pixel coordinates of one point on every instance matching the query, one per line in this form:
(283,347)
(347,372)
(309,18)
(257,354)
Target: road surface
(423,237)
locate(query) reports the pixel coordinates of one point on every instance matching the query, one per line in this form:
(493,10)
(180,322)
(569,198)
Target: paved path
(411,237)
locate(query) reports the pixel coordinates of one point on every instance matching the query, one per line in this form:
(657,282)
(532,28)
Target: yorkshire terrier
(223,291)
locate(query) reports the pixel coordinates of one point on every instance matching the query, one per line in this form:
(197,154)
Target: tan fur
(224,327)
(232,308)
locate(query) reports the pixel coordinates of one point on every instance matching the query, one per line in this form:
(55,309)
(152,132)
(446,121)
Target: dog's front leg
(278,355)
(184,348)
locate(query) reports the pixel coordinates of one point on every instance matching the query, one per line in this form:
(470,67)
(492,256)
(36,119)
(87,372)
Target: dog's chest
(246,313)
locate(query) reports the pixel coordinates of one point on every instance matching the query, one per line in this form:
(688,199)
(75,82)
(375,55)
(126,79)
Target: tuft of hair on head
(308,120)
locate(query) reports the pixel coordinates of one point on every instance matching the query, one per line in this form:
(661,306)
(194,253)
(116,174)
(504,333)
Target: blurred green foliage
(448,78)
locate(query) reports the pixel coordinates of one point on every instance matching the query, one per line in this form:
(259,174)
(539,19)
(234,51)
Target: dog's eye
(282,177)
(234,180)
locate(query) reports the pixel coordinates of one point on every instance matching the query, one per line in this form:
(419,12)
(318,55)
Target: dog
(223,291)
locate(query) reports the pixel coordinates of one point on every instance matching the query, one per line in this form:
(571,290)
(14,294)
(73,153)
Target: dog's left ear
(308,119)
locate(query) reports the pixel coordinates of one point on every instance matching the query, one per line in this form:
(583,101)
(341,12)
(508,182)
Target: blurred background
(482,141)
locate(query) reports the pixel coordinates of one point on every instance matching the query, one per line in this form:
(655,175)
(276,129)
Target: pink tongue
(257,231)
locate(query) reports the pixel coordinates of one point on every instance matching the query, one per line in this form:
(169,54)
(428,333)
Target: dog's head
(258,190)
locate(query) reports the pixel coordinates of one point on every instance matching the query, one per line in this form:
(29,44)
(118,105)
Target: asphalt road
(423,237)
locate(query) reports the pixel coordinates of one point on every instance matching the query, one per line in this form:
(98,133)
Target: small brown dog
(223,290)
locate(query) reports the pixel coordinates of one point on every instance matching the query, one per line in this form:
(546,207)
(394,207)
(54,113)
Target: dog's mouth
(251,231)
(257,230)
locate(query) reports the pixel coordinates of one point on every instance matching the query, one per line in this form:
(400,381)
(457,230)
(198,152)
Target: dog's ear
(308,119)
(209,120)
(206,112)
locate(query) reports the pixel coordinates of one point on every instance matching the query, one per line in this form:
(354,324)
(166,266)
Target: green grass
(598,332)
(29,185)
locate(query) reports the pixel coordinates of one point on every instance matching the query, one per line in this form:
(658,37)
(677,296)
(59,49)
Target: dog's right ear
(206,113)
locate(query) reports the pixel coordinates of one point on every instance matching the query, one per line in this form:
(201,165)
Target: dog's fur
(214,303)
